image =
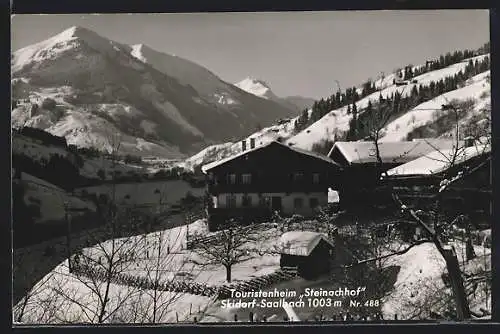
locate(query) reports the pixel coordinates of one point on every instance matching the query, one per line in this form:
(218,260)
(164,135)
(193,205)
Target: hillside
(477,91)
(88,88)
(280,131)
(49,199)
(456,80)
(337,121)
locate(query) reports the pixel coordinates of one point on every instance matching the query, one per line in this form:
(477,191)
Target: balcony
(244,215)
(268,186)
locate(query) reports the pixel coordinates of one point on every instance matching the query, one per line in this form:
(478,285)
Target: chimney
(252,143)
(243,145)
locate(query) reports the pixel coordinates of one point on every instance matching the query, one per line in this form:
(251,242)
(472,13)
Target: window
(246,178)
(313,202)
(246,201)
(265,201)
(315,178)
(231,201)
(298,203)
(297,177)
(231,179)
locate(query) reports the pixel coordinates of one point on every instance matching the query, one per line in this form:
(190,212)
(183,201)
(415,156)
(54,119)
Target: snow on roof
(390,152)
(300,243)
(214,164)
(438,161)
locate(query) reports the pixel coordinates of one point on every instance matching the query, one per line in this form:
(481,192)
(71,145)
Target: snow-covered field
(68,298)
(63,298)
(419,281)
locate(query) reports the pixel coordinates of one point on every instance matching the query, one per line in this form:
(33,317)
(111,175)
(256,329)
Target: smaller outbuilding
(310,252)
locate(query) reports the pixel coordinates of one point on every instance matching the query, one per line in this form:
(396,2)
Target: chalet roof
(360,152)
(438,161)
(301,243)
(217,163)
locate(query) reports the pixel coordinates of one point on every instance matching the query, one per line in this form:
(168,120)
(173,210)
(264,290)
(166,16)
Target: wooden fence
(195,288)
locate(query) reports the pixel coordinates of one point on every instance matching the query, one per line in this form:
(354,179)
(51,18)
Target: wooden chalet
(361,169)
(417,181)
(314,254)
(310,252)
(253,184)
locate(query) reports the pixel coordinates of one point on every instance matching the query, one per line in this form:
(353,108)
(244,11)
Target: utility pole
(67,217)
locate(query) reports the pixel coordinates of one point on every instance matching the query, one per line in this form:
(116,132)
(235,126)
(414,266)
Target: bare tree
(163,265)
(431,220)
(118,272)
(435,230)
(376,122)
(231,245)
(32,297)
(94,269)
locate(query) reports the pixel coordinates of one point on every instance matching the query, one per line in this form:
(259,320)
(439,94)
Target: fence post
(177,316)
(395,317)
(190,308)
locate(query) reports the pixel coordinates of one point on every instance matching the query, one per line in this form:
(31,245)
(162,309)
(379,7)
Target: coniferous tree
(355,95)
(353,124)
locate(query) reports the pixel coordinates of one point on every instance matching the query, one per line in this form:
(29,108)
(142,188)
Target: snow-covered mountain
(262,89)
(88,88)
(257,87)
(476,90)
(280,131)
(338,120)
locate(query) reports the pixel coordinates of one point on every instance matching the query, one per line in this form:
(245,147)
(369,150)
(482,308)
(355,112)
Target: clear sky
(296,53)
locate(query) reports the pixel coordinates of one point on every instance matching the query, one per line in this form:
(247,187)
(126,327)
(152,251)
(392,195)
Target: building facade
(417,182)
(250,186)
(361,168)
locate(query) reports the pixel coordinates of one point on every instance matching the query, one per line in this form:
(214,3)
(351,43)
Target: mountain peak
(256,87)
(58,45)
(74,32)
(255,81)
